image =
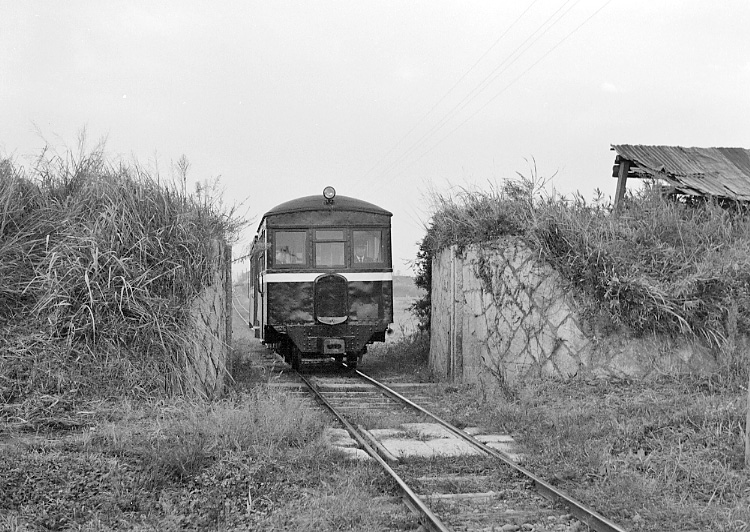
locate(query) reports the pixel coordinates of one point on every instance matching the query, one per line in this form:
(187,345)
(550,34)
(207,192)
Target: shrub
(662,265)
(422,307)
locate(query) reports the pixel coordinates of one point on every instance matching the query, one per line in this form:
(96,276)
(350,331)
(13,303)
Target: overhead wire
(448,92)
(506,87)
(478,89)
(516,78)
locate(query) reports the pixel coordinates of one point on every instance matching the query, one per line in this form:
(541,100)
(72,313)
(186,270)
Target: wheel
(285,350)
(296,358)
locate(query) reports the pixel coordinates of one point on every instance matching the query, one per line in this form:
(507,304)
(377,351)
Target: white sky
(380,98)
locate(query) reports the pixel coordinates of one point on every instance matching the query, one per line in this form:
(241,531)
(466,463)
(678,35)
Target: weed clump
(404,358)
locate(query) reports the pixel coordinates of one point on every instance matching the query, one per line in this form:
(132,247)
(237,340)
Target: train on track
(322,274)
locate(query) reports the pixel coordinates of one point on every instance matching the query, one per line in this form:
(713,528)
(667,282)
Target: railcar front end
(323,278)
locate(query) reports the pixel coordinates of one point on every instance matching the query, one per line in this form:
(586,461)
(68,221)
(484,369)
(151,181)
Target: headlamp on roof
(329,193)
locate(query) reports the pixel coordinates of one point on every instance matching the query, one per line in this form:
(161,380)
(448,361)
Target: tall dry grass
(661,266)
(103,258)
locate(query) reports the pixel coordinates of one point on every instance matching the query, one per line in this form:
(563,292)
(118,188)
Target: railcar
(322,278)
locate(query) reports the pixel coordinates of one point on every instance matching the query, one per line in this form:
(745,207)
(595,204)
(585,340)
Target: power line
(482,85)
(450,90)
(424,154)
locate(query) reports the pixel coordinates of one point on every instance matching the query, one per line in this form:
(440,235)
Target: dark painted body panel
(304,299)
(291,312)
(290,303)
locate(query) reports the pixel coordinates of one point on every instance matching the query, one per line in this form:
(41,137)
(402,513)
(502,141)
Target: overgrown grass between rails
(661,266)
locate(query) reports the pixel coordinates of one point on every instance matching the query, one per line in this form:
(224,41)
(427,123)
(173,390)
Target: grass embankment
(661,266)
(660,455)
(97,265)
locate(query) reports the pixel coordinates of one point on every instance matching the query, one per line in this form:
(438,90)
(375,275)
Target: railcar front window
(329,254)
(329,248)
(289,247)
(366,247)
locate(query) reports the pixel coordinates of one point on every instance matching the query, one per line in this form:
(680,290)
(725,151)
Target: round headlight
(329,193)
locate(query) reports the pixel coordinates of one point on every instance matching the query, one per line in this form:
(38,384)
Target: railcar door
(258,264)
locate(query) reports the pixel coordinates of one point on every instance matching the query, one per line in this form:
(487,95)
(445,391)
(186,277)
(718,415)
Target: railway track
(465,484)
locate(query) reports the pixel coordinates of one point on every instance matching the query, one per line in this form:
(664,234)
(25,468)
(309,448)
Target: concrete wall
(212,328)
(500,315)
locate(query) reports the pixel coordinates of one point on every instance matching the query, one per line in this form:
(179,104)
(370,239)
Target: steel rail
(412,499)
(590,517)
(240,313)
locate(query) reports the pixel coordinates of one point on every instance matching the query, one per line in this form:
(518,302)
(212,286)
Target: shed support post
(622,179)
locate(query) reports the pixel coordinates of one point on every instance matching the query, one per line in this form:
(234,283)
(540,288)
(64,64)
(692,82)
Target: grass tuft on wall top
(99,262)
(660,266)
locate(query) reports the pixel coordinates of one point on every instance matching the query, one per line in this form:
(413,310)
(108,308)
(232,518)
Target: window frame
(341,238)
(381,252)
(275,250)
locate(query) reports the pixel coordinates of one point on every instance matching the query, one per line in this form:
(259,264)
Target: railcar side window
(329,248)
(366,247)
(289,247)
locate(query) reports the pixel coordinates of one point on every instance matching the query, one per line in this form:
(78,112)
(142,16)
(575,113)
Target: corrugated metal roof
(720,172)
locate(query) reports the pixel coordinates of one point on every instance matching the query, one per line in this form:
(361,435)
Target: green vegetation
(422,307)
(651,456)
(98,263)
(404,358)
(665,455)
(661,266)
(660,455)
(255,461)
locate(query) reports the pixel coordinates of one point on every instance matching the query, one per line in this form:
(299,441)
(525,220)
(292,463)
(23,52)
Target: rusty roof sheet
(720,172)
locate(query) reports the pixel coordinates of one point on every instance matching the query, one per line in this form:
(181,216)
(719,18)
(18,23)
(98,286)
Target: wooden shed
(708,172)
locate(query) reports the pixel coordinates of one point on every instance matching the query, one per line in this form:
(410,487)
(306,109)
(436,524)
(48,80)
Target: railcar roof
(317,203)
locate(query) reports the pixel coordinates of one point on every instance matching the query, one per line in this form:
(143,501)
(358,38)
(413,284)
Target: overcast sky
(384,100)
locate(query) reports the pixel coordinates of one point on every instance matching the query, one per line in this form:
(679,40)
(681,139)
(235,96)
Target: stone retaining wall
(212,328)
(500,315)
